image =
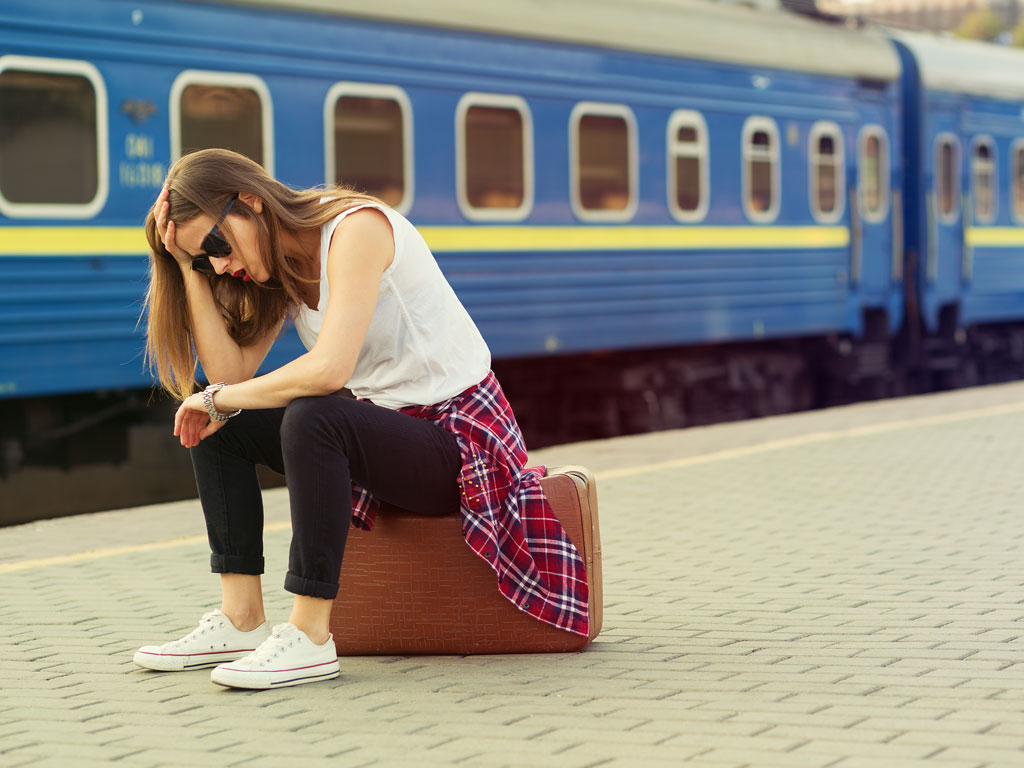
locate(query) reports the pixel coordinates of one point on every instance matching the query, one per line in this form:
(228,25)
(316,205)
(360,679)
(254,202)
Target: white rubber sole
(169,662)
(275,678)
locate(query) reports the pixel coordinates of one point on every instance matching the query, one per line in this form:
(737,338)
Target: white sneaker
(287,657)
(213,642)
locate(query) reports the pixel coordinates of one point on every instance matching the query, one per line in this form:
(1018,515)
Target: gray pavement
(838,588)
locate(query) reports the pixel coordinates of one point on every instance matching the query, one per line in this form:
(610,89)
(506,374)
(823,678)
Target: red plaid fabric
(506,519)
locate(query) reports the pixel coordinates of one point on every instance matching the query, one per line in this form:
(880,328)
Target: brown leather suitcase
(413,585)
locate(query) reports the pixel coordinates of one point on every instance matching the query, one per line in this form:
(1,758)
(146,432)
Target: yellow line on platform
(94,554)
(608,474)
(815,437)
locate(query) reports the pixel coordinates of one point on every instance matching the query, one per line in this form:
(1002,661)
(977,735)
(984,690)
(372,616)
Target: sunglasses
(213,245)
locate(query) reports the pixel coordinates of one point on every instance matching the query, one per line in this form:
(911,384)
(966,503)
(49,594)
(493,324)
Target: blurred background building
(997,20)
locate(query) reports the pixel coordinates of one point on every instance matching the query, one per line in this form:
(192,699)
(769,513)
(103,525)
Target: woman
(236,253)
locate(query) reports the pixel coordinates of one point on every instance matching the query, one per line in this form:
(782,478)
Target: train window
(53,126)
(687,165)
(1017,173)
(983,180)
(827,164)
(494,178)
(603,163)
(220,109)
(761,172)
(368,131)
(873,174)
(947,177)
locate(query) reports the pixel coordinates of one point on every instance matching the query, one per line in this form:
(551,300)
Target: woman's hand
(192,423)
(166,229)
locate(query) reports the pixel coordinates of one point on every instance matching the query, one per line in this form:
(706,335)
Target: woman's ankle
(242,600)
(313,616)
(244,621)
(318,635)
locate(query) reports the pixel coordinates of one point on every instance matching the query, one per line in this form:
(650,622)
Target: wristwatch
(211,409)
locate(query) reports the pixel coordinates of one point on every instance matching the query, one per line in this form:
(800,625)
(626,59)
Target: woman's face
(245,261)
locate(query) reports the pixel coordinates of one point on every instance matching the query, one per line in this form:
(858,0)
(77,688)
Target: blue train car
(964,109)
(656,213)
(626,178)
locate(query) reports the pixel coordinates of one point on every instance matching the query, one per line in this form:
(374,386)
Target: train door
(944,217)
(871,232)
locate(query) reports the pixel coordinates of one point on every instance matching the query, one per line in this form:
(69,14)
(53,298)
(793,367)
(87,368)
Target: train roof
(966,66)
(755,34)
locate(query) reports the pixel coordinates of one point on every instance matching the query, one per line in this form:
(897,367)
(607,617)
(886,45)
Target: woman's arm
(362,248)
(221,356)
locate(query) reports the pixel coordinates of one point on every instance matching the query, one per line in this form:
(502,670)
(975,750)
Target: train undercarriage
(71,454)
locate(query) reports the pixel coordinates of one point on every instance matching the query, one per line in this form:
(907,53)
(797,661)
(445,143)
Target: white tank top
(422,347)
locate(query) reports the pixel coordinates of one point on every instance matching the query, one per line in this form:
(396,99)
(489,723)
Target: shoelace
(273,646)
(204,626)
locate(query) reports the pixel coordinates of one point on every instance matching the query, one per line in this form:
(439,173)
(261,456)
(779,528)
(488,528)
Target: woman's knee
(309,419)
(247,436)
(221,441)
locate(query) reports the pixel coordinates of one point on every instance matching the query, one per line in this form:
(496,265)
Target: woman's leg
(229,490)
(327,443)
(242,600)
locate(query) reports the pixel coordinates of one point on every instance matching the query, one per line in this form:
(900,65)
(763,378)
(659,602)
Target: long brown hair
(204,182)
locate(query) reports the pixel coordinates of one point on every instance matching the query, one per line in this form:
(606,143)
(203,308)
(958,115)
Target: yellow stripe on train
(72,241)
(994,237)
(130,241)
(620,238)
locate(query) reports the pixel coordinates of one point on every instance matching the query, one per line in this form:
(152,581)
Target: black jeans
(320,444)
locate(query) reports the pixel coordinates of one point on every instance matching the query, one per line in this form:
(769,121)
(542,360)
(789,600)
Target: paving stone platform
(839,588)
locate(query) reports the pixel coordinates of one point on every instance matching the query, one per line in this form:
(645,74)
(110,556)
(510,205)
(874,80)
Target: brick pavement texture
(839,589)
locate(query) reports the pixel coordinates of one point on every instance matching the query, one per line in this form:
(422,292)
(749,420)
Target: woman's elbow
(328,377)
(333,383)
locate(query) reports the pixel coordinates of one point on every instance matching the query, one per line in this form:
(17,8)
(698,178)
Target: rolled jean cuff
(298,585)
(236,564)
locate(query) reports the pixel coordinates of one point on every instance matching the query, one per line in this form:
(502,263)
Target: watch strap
(211,409)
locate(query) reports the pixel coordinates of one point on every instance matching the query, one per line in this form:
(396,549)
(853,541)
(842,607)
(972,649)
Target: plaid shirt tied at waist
(506,519)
